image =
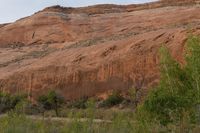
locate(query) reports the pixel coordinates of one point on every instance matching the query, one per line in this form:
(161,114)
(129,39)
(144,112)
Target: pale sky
(11,10)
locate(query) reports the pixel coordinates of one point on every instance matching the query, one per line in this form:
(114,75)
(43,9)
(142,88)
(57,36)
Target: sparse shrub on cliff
(51,101)
(178,92)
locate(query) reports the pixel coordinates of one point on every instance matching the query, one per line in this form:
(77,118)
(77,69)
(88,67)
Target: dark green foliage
(43,101)
(79,104)
(114,99)
(165,107)
(178,92)
(8,102)
(193,65)
(51,101)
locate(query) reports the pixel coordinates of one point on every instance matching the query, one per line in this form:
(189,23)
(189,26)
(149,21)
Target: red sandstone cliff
(92,50)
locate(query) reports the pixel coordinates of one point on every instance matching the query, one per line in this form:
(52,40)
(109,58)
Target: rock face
(90,51)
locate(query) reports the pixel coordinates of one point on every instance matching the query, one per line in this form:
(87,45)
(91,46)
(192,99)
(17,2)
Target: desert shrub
(79,103)
(51,101)
(8,102)
(132,98)
(26,107)
(178,92)
(114,99)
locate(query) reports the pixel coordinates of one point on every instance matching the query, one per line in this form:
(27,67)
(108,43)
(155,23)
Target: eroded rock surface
(90,51)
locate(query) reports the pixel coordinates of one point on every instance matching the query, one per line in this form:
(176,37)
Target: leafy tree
(178,91)
(51,101)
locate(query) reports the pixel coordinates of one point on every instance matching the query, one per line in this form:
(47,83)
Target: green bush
(178,92)
(114,99)
(51,101)
(8,102)
(79,103)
